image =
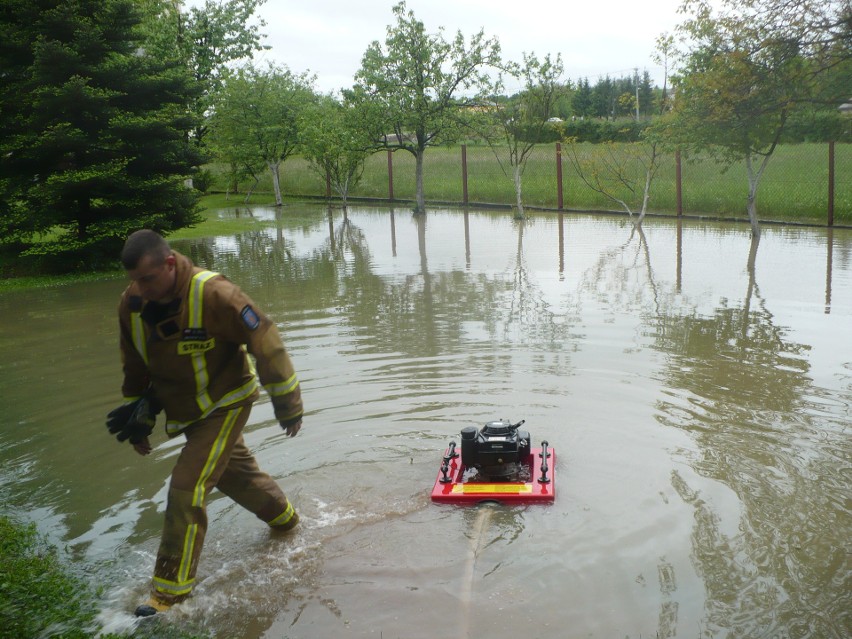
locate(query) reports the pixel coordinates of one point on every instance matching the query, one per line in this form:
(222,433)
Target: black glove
(291,426)
(133,421)
(141,422)
(117,418)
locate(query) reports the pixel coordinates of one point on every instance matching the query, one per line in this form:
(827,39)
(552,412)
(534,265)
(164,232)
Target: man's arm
(274,366)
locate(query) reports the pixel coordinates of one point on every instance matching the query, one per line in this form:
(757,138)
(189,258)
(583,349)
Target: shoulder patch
(250,318)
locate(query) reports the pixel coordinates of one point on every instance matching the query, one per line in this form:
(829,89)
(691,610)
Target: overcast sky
(595,37)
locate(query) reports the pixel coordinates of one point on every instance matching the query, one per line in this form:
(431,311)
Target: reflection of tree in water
(429,311)
(419,314)
(621,274)
(740,388)
(422,314)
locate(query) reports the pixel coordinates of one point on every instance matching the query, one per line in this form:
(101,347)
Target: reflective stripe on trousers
(214,455)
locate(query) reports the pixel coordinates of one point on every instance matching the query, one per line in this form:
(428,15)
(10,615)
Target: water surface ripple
(697,392)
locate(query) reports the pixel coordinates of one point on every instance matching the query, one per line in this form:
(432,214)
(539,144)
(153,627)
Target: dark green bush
(202,180)
(593,130)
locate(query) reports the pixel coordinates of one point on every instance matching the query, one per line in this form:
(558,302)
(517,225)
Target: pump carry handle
(544,479)
(445,465)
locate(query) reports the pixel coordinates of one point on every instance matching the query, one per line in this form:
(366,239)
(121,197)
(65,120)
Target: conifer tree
(93,131)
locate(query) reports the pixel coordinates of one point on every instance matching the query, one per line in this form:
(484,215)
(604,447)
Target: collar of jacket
(184,270)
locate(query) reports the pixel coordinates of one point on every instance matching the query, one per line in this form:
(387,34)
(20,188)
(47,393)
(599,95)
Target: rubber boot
(152,607)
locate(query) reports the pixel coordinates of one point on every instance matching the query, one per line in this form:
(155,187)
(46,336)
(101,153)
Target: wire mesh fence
(803,183)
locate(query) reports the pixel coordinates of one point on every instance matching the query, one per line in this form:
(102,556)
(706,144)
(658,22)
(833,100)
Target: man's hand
(117,418)
(292,429)
(134,420)
(143,446)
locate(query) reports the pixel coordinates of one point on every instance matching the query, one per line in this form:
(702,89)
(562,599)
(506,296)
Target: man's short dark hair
(142,243)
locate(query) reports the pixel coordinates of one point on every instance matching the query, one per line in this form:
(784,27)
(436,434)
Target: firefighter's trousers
(214,456)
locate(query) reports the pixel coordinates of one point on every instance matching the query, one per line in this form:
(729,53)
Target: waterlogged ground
(697,394)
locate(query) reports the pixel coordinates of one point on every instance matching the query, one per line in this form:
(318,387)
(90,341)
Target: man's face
(155,277)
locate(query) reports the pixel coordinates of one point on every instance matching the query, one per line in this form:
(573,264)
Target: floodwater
(698,396)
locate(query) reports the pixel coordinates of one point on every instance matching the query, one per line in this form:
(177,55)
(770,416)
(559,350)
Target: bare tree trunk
(343,191)
(420,206)
(753,182)
(276,182)
(516,177)
(251,190)
(650,171)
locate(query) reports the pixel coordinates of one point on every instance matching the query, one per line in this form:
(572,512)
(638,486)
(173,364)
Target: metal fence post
(464,174)
(559,175)
(831,183)
(390,175)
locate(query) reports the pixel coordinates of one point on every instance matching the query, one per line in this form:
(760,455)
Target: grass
(793,190)
(40,596)
(794,187)
(36,593)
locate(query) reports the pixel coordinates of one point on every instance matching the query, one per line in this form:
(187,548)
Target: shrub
(591,130)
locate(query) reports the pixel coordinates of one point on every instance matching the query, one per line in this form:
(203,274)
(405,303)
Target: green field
(794,187)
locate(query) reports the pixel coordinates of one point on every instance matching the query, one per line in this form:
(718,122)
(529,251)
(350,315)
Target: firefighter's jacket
(192,351)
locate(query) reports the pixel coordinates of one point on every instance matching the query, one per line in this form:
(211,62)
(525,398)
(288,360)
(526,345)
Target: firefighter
(186,334)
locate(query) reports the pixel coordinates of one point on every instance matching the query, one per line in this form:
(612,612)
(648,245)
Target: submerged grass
(793,190)
(794,187)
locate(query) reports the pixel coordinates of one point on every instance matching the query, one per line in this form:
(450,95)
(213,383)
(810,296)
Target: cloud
(329,37)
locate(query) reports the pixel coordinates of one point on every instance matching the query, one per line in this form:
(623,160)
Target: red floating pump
(496,463)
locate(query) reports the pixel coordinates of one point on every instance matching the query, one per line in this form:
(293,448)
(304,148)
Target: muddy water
(698,397)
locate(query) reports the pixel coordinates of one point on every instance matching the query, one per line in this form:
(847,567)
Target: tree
(92,130)
(207,40)
(336,144)
(646,95)
(603,98)
(747,72)
(523,122)
(420,87)
(625,175)
(819,29)
(581,103)
(257,117)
